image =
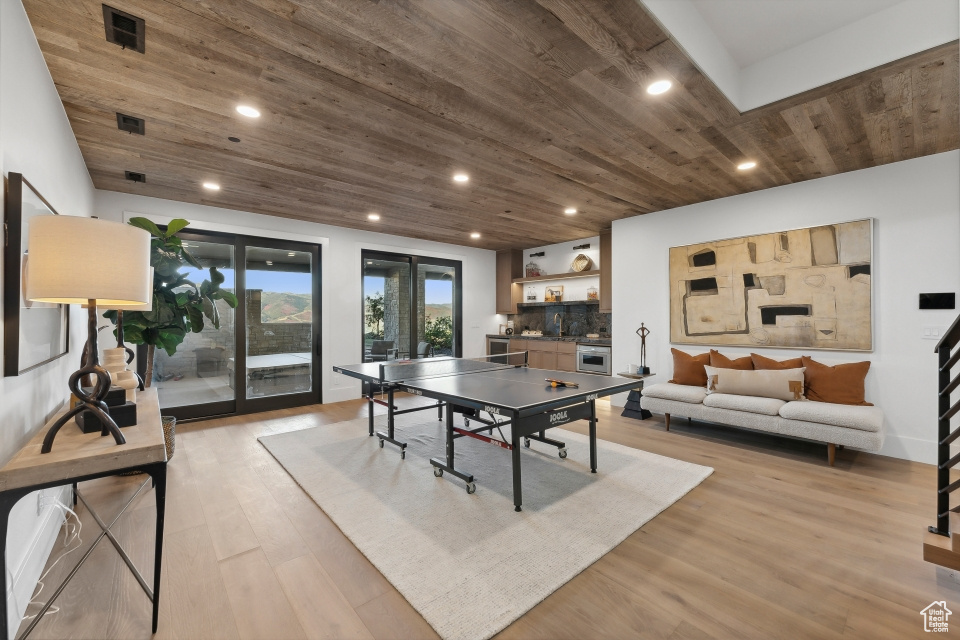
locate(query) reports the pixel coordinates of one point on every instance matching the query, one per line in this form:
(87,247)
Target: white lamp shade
(72,260)
(139,307)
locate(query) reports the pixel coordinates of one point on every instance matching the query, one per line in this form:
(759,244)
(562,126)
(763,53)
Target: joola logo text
(559,416)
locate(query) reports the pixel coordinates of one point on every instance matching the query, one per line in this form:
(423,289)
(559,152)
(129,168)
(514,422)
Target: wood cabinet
(566,356)
(547,354)
(509,266)
(606,272)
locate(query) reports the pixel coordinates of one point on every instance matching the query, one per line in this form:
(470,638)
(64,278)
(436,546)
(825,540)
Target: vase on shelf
(531,294)
(593,294)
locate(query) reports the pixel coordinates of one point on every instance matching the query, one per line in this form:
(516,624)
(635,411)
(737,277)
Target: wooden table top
(636,376)
(77,454)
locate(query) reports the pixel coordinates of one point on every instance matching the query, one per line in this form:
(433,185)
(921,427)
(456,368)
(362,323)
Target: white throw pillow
(783,384)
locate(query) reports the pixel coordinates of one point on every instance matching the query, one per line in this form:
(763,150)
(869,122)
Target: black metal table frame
(528,424)
(392,410)
(158,474)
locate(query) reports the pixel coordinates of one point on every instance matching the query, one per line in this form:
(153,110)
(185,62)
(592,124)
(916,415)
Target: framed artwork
(805,288)
(34,333)
(553,294)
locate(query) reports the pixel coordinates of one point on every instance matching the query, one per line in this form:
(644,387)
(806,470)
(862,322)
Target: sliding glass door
(411,306)
(266,354)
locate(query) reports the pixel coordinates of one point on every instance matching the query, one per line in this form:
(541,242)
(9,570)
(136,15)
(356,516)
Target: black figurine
(643,332)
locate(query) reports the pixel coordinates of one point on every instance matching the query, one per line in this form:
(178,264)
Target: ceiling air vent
(130,124)
(136,177)
(123,29)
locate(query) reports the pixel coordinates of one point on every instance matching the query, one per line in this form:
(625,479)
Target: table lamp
(74,260)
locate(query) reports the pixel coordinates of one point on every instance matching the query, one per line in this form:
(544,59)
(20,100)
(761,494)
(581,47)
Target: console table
(77,457)
(633,409)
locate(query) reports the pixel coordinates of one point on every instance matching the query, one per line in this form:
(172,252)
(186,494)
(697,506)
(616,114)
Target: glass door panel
(279,322)
(199,373)
(437,312)
(386,308)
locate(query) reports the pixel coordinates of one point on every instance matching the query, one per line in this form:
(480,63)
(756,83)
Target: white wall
(340,263)
(35,140)
(916,205)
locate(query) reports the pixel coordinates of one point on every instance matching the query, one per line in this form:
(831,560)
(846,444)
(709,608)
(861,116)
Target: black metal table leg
(515,441)
(159,474)
(390,408)
(439,410)
(447,464)
(593,436)
(370,407)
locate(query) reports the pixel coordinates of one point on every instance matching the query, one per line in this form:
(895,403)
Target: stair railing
(949,356)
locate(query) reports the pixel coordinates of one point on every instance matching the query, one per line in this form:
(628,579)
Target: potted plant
(179,304)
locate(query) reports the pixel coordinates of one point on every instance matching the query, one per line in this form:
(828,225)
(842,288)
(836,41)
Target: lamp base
(124,415)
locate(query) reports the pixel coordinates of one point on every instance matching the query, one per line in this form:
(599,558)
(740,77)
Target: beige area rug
(470,564)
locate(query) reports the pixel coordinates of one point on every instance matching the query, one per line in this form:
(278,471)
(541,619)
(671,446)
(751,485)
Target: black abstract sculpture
(643,332)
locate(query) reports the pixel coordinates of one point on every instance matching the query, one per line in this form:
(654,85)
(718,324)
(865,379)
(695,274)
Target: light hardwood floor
(774,544)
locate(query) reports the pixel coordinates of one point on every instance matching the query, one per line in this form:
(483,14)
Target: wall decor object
(531,294)
(643,332)
(532,269)
(593,293)
(34,333)
(553,294)
(581,263)
(804,288)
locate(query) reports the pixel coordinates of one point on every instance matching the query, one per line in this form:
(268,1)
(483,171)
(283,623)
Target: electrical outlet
(932,333)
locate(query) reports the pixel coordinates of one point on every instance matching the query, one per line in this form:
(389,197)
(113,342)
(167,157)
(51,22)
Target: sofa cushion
(760,362)
(721,361)
(750,404)
(864,418)
(839,384)
(677,392)
(785,384)
(688,369)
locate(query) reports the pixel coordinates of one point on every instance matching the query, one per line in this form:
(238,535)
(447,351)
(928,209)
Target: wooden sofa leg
(666,417)
(831,453)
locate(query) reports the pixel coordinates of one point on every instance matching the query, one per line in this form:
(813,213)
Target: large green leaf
(147,225)
(174,226)
(216,277)
(189,258)
(195,313)
(229,298)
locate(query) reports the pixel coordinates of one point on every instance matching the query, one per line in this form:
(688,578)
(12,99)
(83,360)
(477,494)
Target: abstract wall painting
(805,288)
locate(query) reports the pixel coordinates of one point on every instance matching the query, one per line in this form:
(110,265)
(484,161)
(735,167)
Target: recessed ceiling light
(270,262)
(569,211)
(233,139)
(460,177)
(744,166)
(212,186)
(369,261)
(658,87)
(291,254)
(474,235)
(250,112)
(373,216)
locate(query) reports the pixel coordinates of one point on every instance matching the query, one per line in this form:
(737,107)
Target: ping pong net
(399,370)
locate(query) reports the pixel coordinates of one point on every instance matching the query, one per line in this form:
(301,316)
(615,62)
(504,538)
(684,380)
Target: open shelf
(565,303)
(559,276)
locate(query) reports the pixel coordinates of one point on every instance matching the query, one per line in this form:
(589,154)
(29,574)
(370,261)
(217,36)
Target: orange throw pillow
(840,384)
(721,361)
(759,362)
(688,369)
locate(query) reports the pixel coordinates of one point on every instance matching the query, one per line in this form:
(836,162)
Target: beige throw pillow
(783,384)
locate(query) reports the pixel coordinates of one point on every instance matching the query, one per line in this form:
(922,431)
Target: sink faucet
(558,319)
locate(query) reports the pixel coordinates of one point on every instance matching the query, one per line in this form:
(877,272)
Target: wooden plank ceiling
(372,106)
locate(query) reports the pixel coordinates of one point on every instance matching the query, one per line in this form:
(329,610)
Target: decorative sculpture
(643,332)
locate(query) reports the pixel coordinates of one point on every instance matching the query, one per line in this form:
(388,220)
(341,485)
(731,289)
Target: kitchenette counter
(577,339)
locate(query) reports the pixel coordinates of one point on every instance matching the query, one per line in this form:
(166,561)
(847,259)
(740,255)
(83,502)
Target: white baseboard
(24,574)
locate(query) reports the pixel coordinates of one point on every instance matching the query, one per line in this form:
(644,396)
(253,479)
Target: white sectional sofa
(835,424)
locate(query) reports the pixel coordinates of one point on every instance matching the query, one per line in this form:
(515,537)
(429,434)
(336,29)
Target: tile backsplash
(578,320)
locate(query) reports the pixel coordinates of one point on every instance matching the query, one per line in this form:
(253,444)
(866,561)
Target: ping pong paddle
(560,383)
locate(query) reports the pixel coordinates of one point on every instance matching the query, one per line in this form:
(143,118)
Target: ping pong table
(501,386)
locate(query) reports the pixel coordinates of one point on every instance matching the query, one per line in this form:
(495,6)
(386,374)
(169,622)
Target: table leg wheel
(471,487)
(403,454)
(381,444)
(526,442)
(466,421)
(562,453)
(437,471)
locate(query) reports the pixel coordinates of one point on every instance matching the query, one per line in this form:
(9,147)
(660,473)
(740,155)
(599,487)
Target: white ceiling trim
(905,28)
